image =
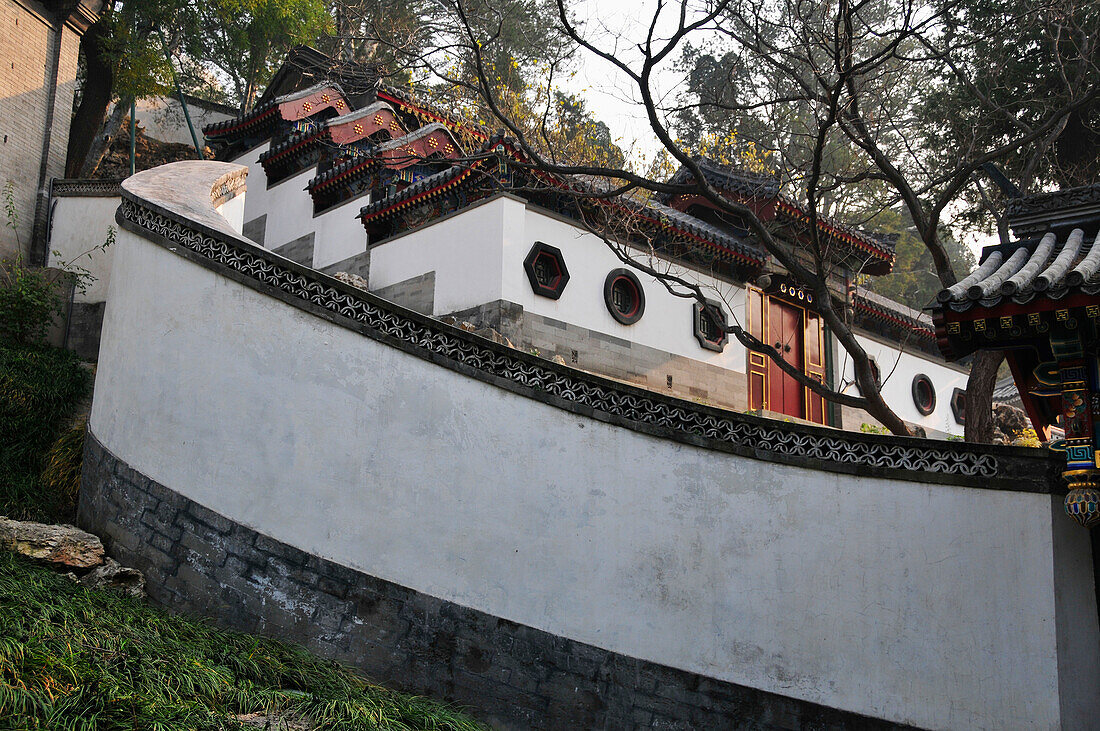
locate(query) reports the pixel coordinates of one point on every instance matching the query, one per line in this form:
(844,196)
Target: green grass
(73,658)
(40,390)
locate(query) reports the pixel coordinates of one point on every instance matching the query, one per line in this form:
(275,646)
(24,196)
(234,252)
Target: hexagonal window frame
(617,279)
(922,380)
(958,405)
(698,315)
(546,253)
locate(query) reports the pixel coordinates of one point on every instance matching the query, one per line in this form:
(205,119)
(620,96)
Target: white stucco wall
(257,201)
(478,254)
(464,250)
(931,605)
(232,211)
(338,233)
(163,119)
(898,368)
(78,225)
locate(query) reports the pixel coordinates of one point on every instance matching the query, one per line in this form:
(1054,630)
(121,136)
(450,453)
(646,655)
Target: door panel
(785,333)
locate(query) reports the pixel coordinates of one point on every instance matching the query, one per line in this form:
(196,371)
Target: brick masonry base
(512,676)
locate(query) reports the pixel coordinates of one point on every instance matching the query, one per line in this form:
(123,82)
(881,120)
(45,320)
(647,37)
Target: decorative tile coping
(86,188)
(173,206)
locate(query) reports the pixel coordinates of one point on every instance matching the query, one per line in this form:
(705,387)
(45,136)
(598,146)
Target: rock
(353,279)
(1009,424)
(491,334)
(115,577)
(277,721)
(61,545)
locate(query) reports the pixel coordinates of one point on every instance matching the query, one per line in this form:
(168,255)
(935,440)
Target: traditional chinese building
(445,217)
(1038,299)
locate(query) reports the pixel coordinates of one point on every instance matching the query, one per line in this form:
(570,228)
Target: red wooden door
(785,334)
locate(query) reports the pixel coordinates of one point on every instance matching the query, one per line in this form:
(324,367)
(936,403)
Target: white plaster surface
(163,119)
(338,233)
(289,208)
(898,368)
(463,250)
(478,256)
(468,251)
(78,225)
(232,211)
(257,201)
(930,605)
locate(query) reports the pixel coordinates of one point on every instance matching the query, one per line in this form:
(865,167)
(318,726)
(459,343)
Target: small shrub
(872,429)
(30,299)
(61,474)
(40,389)
(1026,438)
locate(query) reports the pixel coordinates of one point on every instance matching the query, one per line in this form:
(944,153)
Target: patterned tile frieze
(825,449)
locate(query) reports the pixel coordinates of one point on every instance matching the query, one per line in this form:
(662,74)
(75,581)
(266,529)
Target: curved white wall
(939,606)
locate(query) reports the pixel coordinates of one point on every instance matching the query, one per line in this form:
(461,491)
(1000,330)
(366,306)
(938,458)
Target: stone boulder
(63,546)
(113,576)
(353,279)
(1008,423)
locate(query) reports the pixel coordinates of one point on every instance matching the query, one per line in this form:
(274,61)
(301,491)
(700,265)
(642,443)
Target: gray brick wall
(417,293)
(611,356)
(299,250)
(510,675)
(26,45)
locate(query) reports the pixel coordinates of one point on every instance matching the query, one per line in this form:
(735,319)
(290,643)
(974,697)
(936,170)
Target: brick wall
(611,356)
(25,53)
(513,676)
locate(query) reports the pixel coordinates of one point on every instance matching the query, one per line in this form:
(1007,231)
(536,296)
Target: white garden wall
(934,605)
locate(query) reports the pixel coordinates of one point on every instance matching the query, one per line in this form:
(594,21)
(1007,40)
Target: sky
(616,25)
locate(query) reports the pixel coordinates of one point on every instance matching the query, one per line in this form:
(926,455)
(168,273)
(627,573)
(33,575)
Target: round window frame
(919,380)
(609,300)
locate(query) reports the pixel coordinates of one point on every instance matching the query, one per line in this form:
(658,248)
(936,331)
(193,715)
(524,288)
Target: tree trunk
(99,83)
(979,396)
(103,141)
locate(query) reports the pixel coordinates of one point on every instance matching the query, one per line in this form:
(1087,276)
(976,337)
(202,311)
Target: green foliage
(246,40)
(1023,59)
(29,298)
(575,121)
(39,390)
(913,281)
(872,429)
(73,658)
(29,301)
(61,473)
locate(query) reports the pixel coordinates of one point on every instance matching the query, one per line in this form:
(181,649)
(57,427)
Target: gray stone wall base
(85,324)
(607,355)
(417,293)
(510,675)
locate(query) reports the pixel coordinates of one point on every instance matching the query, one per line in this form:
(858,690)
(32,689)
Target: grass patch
(72,658)
(40,388)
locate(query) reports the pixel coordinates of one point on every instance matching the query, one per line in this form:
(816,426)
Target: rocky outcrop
(63,546)
(353,279)
(114,576)
(1010,425)
(67,548)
